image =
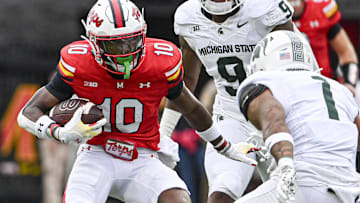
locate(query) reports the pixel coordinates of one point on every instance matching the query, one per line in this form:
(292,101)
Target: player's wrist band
(169,120)
(350,73)
(278,137)
(209,134)
(53,128)
(41,126)
(286,161)
(222,146)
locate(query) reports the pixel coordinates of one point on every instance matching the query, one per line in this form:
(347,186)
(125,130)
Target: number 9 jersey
(130,105)
(225,49)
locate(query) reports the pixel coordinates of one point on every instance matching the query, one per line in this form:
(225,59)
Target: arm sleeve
(247,94)
(175,91)
(59,88)
(333,31)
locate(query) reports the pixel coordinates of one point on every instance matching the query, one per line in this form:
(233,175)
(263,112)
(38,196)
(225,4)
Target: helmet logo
(94,18)
(136,13)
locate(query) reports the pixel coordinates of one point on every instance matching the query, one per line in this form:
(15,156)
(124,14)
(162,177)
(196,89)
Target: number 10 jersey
(131,105)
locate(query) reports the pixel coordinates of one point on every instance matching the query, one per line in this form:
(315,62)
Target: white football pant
(96,175)
(226,175)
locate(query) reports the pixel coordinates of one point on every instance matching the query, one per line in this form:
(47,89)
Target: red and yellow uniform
(130,105)
(315,22)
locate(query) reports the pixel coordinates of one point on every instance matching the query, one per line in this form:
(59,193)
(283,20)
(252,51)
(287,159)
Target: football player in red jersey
(126,75)
(319,21)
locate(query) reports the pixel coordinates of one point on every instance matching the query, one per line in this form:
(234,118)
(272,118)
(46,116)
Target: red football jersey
(318,17)
(131,105)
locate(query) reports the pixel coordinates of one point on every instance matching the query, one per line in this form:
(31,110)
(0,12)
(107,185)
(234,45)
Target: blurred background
(32,34)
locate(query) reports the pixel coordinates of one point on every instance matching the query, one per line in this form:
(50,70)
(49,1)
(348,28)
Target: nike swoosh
(240,25)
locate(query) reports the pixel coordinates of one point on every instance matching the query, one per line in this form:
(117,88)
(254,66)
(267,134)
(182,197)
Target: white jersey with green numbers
(320,115)
(225,49)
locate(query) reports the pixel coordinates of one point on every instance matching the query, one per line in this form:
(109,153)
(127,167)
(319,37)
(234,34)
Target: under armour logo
(142,85)
(314,23)
(41,125)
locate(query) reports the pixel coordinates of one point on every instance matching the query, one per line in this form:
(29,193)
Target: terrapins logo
(136,13)
(94,18)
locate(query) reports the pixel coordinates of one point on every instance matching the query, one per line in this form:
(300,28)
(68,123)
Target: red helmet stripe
(118,14)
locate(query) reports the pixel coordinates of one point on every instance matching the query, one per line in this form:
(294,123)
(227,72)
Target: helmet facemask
(121,54)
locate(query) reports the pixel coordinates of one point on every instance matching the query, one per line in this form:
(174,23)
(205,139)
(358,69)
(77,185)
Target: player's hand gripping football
(238,152)
(169,151)
(286,185)
(76,131)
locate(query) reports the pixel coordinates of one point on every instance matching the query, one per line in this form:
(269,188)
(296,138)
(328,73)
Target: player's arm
(41,102)
(345,51)
(200,119)
(191,63)
(266,113)
(33,117)
(192,67)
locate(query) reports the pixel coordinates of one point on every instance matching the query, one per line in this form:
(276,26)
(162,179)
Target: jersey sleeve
(59,88)
(65,70)
(352,109)
(278,12)
(185,17)
(331,11)
(272,81)
(175,80)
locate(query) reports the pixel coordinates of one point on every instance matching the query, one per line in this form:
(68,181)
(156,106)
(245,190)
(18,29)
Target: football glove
(76,131)
(169,152)
(286,186)
(238,151)
(256,138)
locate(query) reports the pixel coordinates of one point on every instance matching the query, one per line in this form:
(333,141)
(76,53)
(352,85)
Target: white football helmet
(282,51)
(116,30)
(220,7)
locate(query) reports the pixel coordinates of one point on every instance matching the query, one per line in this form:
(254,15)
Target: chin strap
(127,70)
(125,61)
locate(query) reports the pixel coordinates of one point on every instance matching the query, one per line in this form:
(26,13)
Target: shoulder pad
(186,13)
(280,13)
(247,94)
(71,56)
(188,16)
(258,8)
(164,55)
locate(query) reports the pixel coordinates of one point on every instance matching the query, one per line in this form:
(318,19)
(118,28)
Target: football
(63,112)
